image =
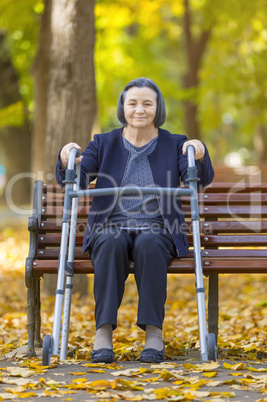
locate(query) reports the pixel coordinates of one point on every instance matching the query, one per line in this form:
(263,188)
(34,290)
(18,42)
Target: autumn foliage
(242,338)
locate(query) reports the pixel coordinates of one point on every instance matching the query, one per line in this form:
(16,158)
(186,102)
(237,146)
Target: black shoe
(150,355)
(102,356)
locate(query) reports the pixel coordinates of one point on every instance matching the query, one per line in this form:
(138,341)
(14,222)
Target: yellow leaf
(189,366)
(235,374)
(153,379)
(93,364)
(99,383)
(237,366)
(210,374)
(166,375)
(42,380)
(78,373)
(95,371)
(252,355)
(259,370)
(124,384)
(196,383)
(78,380)
(25,394)
(77,386)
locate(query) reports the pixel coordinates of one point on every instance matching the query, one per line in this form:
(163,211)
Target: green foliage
(12,115)
(20,19)
(146,38)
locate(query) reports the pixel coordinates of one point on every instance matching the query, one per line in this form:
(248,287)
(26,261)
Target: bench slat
(216,187)
(230,240)
(205,227)
(45,254)
(205,212)
(182,265)
(53,199)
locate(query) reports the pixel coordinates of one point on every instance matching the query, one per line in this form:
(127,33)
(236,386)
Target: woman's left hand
(199,149)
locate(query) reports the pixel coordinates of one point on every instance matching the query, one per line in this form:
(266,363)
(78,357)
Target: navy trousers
(111,251)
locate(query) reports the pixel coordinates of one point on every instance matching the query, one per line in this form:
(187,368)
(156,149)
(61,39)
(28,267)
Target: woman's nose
(139,108)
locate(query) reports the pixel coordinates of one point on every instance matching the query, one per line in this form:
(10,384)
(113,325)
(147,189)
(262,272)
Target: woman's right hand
(65,152)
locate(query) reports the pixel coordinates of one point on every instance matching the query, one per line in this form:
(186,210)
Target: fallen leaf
(210,374)
(237,366)
(20,372)
(78,373)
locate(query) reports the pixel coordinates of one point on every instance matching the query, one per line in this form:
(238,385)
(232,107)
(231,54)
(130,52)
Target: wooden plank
(45,254)
(55,226)
(233,211)
(255,198)
(177,266)
(45,240)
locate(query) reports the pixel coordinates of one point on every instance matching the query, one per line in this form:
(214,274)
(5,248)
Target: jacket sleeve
(205,169)
(89,165)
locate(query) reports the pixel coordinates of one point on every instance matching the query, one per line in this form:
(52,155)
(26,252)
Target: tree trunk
(260,143)
(15,142)
(41,75)
(71,106)
(72,98)
(194,53)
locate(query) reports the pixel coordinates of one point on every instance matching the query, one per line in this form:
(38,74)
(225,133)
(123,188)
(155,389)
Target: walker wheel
(47,350)
(212,347)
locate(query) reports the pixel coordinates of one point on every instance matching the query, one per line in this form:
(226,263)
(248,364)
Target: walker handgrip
(74,153)
(192,172)
(191,155)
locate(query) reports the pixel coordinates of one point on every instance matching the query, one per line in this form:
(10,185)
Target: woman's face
(140,107)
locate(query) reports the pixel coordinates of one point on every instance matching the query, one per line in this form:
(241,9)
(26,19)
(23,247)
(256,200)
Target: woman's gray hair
(160,116)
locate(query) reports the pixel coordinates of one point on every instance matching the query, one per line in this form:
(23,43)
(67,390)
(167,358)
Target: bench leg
(213,304)
(30,321)
(38,340)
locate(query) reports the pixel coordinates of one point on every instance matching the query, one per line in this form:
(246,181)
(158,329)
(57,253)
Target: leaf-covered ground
(242,337)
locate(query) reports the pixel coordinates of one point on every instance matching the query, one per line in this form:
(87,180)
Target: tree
(65,87)
(71,104)
(41,70)
(194,49)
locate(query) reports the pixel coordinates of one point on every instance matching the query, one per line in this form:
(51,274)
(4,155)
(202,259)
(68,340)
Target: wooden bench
(233,237)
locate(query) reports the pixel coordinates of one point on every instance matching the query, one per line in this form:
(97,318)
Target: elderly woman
(147,229)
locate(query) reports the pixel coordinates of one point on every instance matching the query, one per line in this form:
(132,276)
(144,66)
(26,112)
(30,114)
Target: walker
(208,347)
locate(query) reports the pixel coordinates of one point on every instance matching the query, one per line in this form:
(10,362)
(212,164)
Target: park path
(179,380)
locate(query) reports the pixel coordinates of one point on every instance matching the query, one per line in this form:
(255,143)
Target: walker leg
(60,289)
(213,305)
(200,292)
(66,319)
(70,272)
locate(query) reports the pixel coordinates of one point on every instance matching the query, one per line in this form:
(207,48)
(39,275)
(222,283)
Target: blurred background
(63,64)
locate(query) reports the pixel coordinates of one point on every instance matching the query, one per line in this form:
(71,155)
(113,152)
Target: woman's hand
(199,149)
(65,152)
